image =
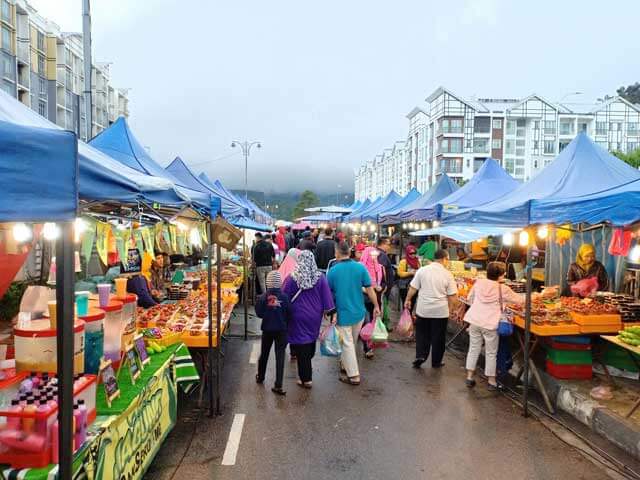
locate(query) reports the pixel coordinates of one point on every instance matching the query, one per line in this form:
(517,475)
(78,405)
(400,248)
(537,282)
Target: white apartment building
(454,135)
(44,69)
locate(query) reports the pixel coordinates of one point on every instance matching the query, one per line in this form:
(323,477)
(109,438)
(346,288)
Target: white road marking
(230,452)
(255,353)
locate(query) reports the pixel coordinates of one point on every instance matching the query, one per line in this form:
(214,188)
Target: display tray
(202,341)
(589,320)
(612,328)
(548,330)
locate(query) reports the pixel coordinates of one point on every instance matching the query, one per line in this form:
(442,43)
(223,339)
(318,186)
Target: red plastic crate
(569,372)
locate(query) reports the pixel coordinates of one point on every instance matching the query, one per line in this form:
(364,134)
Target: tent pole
(210,318)
(218,323)
(65,351)
(245,283)
(527,333)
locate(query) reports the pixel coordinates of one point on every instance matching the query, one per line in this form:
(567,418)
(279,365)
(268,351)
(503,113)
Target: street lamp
(571,94)
(246,150)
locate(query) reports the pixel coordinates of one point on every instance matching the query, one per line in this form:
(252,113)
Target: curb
(606,423)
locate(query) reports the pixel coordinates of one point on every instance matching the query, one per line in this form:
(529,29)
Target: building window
(41,64)
(496,143)
(566,127)
(536,125)
(536,144)
(469,143)
(511,127)
(563,145)
(549,127)
(41,41)
(6,12)
(6,39)
(632,146)
(583,127)
(509,165)
(535,164)
(9,88)
(632,128)
(42,108)
(601,128)
(509,147)
(549,147)
(497,124)
(481,145)
(477,163)
(482,124)
(42,83)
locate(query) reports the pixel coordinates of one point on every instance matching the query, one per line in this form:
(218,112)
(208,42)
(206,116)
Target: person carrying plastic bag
(347,278)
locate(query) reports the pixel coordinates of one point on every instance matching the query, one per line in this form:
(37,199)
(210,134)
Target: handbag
(505,326)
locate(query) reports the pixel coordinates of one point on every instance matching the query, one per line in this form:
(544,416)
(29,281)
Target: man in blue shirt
(348,279)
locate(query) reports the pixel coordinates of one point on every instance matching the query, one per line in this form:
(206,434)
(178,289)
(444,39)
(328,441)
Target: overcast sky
(326,85)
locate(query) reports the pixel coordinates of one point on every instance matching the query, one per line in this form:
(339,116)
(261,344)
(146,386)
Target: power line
(215,159)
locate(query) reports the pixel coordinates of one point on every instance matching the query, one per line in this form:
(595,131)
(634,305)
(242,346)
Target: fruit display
(588,306)
(630,336)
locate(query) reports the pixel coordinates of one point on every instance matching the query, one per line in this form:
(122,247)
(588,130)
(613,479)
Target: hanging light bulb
(423,226)
(507,239)
(634,255)
(181,226)
(50,231)
(372,228)
(543,232)
(435,224)
(523,238)
(79,227)
(364,227)
(344,224)
(404,226)
(21,233)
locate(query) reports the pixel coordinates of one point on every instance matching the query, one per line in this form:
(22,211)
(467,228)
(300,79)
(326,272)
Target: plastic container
(569,346)
(129,315)
(34,450)
(104,292)
(589,320)
(93,339)
(113,326)
(610,328)
(36,347)
(569,372)
(572,339)
(82,303)
(9,388)
(569,357)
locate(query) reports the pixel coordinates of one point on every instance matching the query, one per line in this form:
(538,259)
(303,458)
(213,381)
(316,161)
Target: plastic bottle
(41,423)
(84,414)
(79,432)
(29,422)
(54,442)
(14,422)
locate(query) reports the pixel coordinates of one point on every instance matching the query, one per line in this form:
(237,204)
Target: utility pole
(86,49)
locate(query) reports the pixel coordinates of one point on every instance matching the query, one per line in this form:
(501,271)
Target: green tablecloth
(126,436)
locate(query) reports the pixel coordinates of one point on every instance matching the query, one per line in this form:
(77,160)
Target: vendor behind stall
(407,268)
(586,266)
(158,277)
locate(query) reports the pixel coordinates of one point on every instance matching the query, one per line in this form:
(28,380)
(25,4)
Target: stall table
(126,435)
(632,351)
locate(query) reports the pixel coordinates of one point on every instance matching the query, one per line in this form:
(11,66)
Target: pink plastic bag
(620,243)
(405,325)
(585,287)
(366,332)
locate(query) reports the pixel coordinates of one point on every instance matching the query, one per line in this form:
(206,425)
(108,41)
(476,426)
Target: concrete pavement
(400,423)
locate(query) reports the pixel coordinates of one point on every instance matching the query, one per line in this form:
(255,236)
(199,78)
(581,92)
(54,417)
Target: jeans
(261,273)
(349,334)
(491,339)
(304,353)
(280,340)
(430,336)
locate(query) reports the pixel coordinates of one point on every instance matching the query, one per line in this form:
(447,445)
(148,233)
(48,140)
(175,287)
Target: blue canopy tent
(489,183)
(618,206)
(409,198)
(248,223)
(463,234)
(179,170)
(39,174)
(371,214)
(364,206)
(39,182)
(423,206)
(582,169)
(252,208)
(321,217)
(357,216)
(118,142)
(223,194)
(101,178)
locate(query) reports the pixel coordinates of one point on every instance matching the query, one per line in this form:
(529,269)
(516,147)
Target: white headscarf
(306,273)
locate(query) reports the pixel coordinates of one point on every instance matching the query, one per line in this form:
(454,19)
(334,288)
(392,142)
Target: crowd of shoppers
(327,279)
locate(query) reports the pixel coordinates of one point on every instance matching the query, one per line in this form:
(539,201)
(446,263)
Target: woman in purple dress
(310,298)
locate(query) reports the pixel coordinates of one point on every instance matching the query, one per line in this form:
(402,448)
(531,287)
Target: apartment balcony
(449,166)
(24,53)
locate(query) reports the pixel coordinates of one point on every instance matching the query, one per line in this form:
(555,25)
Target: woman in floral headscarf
(310,298)
(376,271)
(289,263)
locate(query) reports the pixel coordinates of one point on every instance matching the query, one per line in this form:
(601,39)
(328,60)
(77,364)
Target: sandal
(279,391)
(369,355)
(302,384)
(470,382)
(259,380)
(494,388)
(349,380)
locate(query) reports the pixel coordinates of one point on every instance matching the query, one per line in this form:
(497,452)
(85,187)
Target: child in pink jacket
(483,317)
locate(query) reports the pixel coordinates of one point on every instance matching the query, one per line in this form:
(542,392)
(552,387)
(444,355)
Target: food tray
(607,319)
(168,339)
(550,330)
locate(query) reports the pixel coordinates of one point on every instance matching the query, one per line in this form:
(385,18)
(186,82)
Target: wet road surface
(399,423)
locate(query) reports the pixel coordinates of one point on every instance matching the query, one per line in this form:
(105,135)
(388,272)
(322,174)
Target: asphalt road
(399,423)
